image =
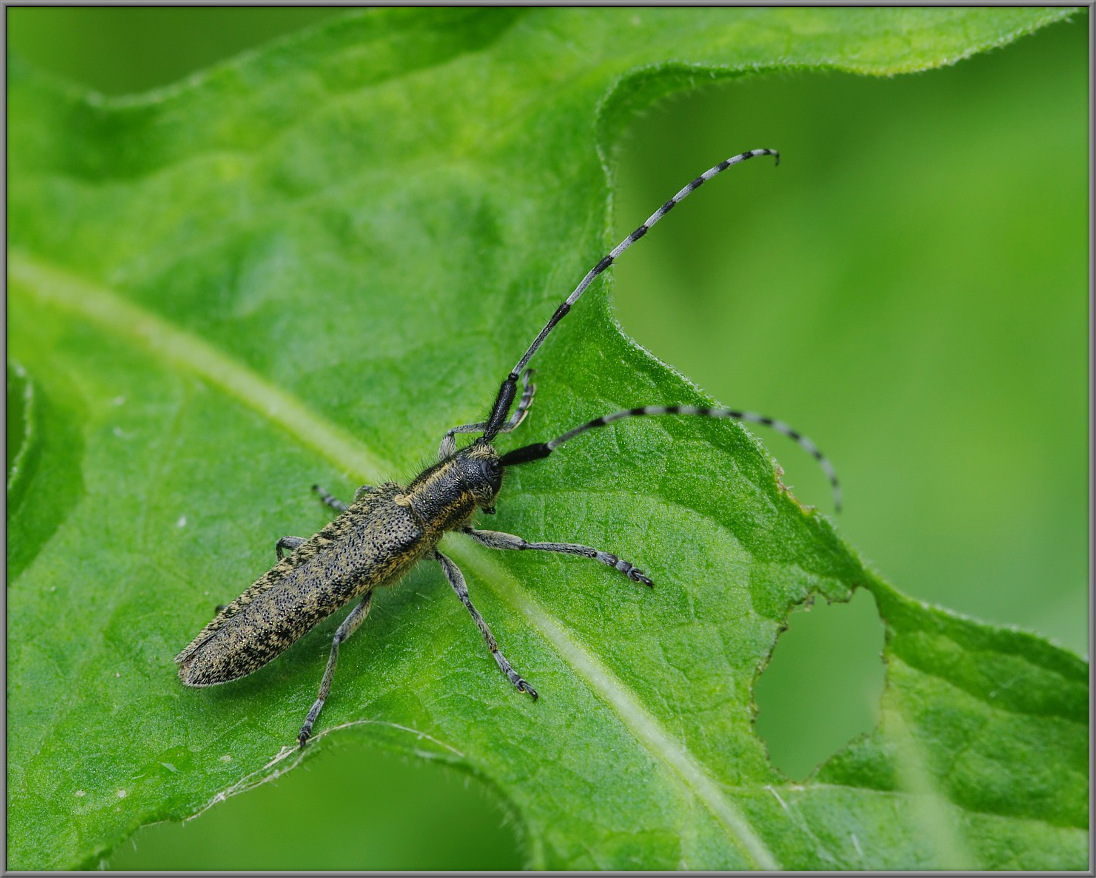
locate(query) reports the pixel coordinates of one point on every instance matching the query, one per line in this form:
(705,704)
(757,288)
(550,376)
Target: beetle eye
(493,473)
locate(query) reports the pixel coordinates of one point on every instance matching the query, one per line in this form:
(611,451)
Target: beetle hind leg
(350,624)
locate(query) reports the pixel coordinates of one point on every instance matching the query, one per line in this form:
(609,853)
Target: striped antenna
(501,408)
(543,449)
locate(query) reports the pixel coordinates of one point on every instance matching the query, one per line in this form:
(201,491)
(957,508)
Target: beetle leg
(528,391)
(290,543)
(456,579)
(494,539)
(350,624)
(331,501)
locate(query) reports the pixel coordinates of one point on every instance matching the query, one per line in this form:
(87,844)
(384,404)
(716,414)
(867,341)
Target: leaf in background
(304,266)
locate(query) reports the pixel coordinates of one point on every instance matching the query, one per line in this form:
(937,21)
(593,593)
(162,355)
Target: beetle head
(482,469)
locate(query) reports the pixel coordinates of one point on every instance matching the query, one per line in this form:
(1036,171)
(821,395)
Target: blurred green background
(910,288)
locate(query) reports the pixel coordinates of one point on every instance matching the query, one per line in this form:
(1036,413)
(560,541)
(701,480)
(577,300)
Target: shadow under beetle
(389,528)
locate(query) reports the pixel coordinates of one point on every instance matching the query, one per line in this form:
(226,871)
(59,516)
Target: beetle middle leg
(494,539)
(350,624)
(456,579)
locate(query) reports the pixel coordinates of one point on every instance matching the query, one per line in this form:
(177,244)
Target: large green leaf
(306,265)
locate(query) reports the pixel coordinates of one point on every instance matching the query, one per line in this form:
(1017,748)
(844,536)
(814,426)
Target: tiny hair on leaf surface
(304,266)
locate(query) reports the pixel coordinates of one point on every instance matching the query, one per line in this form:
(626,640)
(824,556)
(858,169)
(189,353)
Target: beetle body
(388,529)
(373,543)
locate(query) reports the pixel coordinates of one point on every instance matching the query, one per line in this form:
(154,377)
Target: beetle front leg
(456,579)
(528,391)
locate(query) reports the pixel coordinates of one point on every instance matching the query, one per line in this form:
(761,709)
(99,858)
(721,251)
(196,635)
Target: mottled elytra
(389,528)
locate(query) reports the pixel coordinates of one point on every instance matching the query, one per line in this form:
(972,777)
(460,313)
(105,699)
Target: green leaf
(304,266)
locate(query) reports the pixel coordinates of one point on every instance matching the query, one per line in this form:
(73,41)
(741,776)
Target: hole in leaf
(822,686)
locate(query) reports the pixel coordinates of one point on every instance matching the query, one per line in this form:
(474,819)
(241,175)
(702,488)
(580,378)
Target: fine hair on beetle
(388,528)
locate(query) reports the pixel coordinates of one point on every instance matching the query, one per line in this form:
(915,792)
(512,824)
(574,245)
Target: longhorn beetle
(389,528)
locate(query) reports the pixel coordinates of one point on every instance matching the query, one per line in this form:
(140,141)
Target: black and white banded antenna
(501,408)
(540,450)
(497,421)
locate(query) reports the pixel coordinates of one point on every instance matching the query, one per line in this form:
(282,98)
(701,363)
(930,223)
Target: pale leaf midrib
(146,330)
